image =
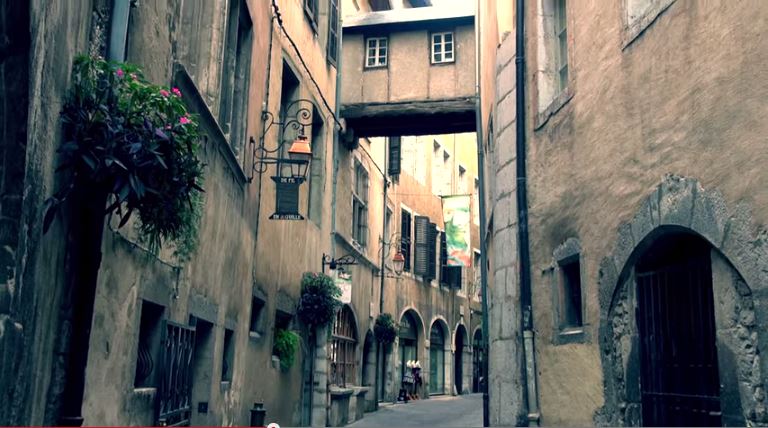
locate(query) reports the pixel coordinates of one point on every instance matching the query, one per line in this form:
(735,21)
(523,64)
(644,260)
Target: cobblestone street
(448,411)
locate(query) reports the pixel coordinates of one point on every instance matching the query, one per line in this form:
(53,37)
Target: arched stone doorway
(437,357)
(458,359)
(477,360)
(409,339)
(680,305)
(679,379)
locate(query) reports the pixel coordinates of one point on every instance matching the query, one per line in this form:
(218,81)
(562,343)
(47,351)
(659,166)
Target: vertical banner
(344,282)
(457,217)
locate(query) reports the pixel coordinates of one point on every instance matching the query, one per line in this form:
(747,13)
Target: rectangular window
(388,225)
(148,353)
(570,294)
(228,355)
(360,205)
(376,52)
(310,10)
(561,38)
(476,203)
(442,47)
(333,31)
(341,352)
(256,309)
(235,80)
(405,240)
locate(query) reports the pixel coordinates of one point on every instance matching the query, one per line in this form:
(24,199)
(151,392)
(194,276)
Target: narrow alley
(444,411)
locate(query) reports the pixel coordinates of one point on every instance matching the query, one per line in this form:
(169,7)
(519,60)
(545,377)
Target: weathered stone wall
(667,100)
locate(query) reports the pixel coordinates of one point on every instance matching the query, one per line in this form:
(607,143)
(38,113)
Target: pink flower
(184,120)
(120,73)
(165,93)
(168,126)
(134,77)
(176,92)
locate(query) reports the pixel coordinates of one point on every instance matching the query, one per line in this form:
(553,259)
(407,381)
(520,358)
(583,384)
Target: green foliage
(319,299)
(385,329)
(135,142)
(285,347)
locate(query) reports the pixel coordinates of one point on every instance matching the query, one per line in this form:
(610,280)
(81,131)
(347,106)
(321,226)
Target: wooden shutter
(333,37)
(395,149)
(443,258)
(432,251)
(421,252)
(405,238)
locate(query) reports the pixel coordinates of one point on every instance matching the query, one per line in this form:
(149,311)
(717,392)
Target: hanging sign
(287,198)
(457,217)
(344,282)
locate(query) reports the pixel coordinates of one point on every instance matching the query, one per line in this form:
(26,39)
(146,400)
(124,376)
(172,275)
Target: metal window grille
(174,396)
(341,353)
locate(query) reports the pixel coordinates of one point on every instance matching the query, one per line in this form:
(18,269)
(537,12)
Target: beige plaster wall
(409,76)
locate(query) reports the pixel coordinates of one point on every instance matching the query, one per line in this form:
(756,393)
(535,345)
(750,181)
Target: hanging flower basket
(135,144)
(319,299)
(385,329)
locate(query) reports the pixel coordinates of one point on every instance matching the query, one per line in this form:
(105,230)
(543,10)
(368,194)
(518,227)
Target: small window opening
(148,353)
(570,295)
(228,355)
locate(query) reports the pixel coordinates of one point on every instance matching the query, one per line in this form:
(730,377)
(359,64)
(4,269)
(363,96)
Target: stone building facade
(444,311)
(232,60)
(646,215)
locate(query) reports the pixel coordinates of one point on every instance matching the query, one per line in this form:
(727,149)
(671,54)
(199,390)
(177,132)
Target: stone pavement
(440,411)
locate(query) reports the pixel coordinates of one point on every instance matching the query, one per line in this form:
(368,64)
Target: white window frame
(379,58)
(438,44)
(560,24)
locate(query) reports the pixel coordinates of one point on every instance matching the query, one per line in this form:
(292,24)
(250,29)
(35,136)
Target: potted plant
(133,144)
(285,347)
(319,299)
(385,329)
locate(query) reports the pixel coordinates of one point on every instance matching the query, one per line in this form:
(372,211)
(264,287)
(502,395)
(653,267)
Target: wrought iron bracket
(297,116)
(333,263)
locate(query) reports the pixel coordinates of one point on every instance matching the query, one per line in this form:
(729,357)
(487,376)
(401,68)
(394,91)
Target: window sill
(557,103)
(452,62)
(225,385)
(374,67)
(571,335)
(633,30)
(255,336)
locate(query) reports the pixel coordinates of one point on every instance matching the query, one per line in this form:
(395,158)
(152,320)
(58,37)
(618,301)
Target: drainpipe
(380,352)
(529,369)
(483,220)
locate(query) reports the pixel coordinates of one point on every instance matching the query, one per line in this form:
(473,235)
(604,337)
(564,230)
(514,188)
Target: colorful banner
(344,282)
(457,218)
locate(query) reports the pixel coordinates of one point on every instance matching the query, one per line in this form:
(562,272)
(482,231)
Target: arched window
(341,353)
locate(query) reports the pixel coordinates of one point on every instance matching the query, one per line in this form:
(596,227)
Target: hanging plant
(385,329)
(136,144)
(285,347)
(319,299)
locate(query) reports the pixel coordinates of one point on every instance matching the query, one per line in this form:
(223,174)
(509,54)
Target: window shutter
(443,258)
(364,224)
(405,238)
(395,149)
(432,251)
(421,254)
(333,23)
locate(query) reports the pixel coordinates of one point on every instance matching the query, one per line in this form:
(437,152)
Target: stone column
(320,388)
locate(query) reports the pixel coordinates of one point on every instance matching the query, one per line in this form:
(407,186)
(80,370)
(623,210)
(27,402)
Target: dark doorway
(477,361)
(458,371)
(678,356)
(202,371)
